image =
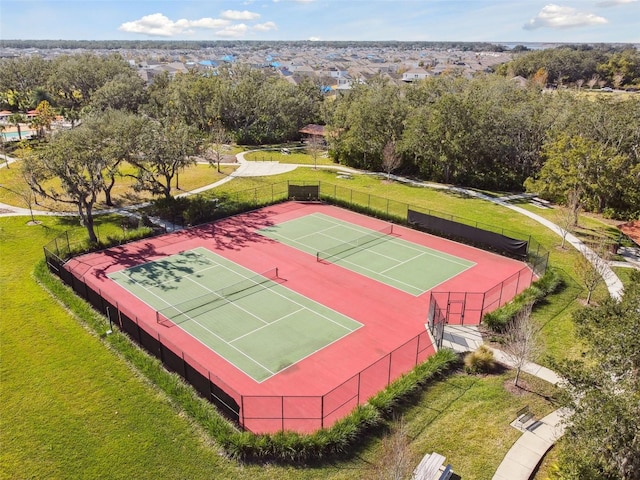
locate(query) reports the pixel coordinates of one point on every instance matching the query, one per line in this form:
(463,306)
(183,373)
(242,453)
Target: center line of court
(266,325)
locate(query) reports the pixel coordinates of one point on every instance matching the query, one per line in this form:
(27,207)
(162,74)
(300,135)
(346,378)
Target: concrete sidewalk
(539,435)
(525,455)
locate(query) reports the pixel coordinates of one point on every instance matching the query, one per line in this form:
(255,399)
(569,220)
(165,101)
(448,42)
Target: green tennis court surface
(404,265)
(251,320)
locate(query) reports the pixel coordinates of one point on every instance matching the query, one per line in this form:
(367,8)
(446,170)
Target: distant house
(415,74)
(4,116)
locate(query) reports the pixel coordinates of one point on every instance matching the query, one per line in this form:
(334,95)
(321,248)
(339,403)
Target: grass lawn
(299,157)
(71,407)
(122,193)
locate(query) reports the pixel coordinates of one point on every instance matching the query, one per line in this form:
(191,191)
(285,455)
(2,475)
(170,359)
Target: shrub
(480,361)
(498,320)
(285,447)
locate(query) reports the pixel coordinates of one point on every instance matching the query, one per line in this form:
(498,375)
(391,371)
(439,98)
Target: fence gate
(436,321)
(455,312)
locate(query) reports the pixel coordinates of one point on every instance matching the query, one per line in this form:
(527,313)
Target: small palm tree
(16,119)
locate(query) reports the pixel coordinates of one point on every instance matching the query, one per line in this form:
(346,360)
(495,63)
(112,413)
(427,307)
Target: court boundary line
(405,244)
(214,263)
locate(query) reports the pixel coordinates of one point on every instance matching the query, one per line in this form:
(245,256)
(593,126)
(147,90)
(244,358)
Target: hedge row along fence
(285,446)
(288,447)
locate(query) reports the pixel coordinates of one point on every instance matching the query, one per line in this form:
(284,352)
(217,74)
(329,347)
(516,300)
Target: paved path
(538,436)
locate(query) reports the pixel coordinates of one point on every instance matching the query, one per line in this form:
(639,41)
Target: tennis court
(379,255)
(253,321)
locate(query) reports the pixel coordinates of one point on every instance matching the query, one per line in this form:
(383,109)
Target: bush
(498,320)
(480,361)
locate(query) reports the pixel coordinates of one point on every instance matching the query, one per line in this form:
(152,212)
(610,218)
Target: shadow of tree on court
(236,232)
(161,272)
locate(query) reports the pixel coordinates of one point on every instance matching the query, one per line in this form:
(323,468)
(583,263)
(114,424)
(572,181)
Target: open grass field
(71,407)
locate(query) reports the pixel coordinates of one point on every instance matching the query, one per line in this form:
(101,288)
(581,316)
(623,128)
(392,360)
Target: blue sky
(410,20)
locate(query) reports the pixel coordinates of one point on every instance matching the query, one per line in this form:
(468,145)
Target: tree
(115,134)
(45,115)
(394,462)
(71,159)
(580,167)
(126,91)
(74,78)
(219,140)
(602,390)
(2,142)
(522,344)
(390,159)
(314,146)
(592,266)
(565,220)
(17,119)
(165,150)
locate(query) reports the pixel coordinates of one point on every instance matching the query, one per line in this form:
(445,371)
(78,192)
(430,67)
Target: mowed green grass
(70,407)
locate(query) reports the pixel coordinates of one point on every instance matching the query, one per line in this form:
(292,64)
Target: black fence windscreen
(495,241)
(304,192)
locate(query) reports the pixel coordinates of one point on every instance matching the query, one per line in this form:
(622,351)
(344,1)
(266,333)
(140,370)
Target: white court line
(266,325)
(222,340)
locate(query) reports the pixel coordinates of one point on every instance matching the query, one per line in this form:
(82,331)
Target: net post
(317,256)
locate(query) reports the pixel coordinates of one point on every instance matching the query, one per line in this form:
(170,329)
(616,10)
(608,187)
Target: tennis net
(202,304)
(358,243)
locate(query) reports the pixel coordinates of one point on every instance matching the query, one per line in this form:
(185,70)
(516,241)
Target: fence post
(358,402)
(242,410)
(282,410)
(389,369)
(322,411)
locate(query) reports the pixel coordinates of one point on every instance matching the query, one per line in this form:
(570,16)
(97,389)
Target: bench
(523,416)
(431,468)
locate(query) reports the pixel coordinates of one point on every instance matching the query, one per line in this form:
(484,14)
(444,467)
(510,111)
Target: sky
(499,21)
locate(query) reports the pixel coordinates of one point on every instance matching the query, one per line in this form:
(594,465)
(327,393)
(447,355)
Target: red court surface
(391,317)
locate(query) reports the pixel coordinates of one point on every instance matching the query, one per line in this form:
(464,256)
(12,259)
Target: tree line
(493,133)
(485,132)
(582,66)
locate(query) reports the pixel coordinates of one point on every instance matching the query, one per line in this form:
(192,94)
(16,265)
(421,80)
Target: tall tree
(579,166)
(17,119)
(70,157)
(219,144)
(602,440)
(125,91)
(165,150)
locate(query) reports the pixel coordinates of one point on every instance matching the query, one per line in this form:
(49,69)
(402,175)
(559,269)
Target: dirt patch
(523,387)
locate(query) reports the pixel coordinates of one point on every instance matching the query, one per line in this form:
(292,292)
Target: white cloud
(209,23)
(155,24)
(555,16)
(265,27)
(314,39)
(159,25)
(615,3)
(240,15)
(233,31)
